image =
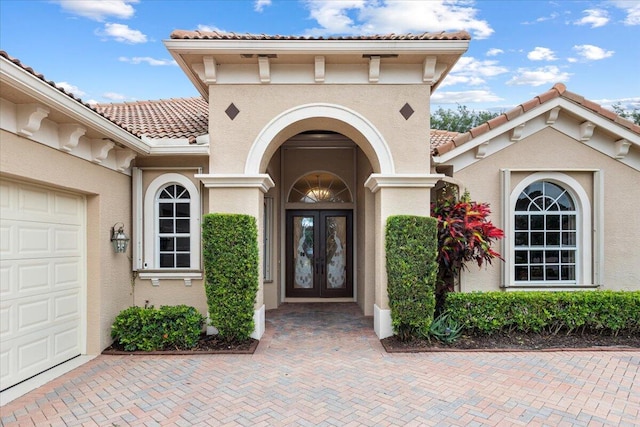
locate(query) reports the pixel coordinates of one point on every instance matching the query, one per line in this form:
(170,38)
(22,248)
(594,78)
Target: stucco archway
(337,118)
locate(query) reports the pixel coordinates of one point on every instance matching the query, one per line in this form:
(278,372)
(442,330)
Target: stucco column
(397,194)
(242,194)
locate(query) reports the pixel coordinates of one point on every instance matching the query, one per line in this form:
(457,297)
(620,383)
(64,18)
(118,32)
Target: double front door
(319,253)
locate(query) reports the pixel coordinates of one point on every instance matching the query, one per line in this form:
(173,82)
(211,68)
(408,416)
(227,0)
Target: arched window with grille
(174,231)
(549,232)
(545,235)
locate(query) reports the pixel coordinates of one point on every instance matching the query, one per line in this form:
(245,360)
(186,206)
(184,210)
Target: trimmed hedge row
(411,247)
(153,329)
(607,312)
(230,251)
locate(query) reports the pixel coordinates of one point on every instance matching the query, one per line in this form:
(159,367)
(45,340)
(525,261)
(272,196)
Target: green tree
(633,115)
(460,120)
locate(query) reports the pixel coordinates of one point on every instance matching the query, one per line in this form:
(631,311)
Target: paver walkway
(323,365)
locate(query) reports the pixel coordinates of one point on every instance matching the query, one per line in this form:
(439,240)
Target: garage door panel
(66,306)
(22,278)
(6,243)
(33,200)
(33,277)
(42,279)
(66,274)
(25,356)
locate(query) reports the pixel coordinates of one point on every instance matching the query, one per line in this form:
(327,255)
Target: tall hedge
(230,250)
(412,249)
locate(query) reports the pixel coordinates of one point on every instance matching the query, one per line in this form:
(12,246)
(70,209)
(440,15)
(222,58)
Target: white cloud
(469,70)
(259,5)
(541,54)
(99,10)
(147,59)
(122,33)
(113,96)
(538,77)
(494,52)
(626,103)
(68,87)
(592,53)
(631,8)
(464,97)
(594,17)
(551,17)
(395,16)
(209,29)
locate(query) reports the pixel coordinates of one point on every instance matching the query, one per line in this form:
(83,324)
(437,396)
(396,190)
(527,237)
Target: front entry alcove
(319,203)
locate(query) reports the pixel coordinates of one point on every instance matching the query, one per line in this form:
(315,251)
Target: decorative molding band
(124,157)
(100,149)
(586,131)
(260,181)
(377,181)
(319,69)
(29,118)
(265,71)
(622,148)
(516,132)
(374,69)
(552,115)
(69,135)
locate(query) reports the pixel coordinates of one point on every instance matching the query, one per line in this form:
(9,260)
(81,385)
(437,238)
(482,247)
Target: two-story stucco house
(321,140)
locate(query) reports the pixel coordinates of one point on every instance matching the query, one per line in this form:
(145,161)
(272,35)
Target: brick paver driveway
(322,365)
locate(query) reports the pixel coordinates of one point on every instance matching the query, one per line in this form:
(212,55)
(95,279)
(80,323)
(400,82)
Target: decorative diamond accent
(406,111)
(232,111)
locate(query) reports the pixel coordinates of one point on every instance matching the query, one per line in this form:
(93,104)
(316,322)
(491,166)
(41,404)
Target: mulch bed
(519,342)
(208,344)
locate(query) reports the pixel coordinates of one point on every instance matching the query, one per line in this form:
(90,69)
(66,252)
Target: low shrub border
(155,329)
(488,313)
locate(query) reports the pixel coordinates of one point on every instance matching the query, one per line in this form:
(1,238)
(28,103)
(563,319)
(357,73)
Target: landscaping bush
(150,329)
(230,250)
(411,250)
(487,313)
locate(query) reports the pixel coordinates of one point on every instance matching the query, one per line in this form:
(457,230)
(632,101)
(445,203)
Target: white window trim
(584,259)
(151,258)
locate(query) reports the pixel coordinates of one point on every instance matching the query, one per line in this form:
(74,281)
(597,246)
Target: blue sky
(112,50)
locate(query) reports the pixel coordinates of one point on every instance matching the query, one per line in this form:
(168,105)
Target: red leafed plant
(465,234)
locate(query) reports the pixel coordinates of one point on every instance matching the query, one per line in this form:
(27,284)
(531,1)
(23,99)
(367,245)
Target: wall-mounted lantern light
(119,240)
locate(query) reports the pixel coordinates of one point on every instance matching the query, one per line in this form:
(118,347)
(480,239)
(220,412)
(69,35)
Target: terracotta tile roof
(166,118)
(440,137)
(558,90)
(53,84)
(215,35)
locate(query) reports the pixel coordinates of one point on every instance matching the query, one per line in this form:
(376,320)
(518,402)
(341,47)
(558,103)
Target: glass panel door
(319,254)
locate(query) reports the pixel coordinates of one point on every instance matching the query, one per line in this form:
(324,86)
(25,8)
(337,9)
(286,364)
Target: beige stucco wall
(550,149)
(260,104)
(108,196)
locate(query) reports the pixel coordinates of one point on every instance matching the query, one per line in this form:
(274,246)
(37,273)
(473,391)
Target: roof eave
(34,87)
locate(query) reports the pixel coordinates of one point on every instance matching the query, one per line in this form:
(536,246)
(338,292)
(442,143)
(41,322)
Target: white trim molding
(261,181)
(376,181)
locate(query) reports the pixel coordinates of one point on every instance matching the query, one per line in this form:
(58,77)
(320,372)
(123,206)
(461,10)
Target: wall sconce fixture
(119,240)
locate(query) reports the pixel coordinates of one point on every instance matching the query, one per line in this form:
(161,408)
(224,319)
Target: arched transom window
(320,187)
(174,232)
(545,240)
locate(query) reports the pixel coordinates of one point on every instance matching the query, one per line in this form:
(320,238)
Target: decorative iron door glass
(319,260)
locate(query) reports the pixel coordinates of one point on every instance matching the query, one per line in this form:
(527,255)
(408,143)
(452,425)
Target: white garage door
(42,279)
